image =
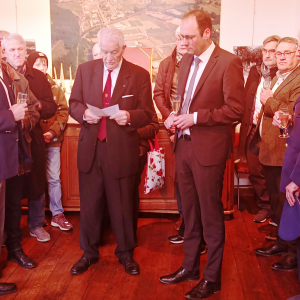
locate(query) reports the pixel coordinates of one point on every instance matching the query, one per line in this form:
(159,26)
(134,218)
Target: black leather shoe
(21,259)
(131,266)
(203,249)
(175,239)
(83,264)
(270,251)
(203,290)
(289,263)
(180,275)
(271,237)
(7,288)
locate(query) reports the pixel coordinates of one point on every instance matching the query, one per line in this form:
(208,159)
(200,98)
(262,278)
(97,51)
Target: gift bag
(155,172)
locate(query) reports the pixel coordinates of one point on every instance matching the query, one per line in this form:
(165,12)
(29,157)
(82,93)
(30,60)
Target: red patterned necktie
(105,100)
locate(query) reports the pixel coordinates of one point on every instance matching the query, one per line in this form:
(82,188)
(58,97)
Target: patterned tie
(188,98)
(105,100)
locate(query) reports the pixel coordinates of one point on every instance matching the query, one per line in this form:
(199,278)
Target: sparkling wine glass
(284,118)
(22,98)
(267,84)
(176,104)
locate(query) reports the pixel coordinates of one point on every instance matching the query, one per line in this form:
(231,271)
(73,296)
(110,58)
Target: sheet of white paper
(105,112)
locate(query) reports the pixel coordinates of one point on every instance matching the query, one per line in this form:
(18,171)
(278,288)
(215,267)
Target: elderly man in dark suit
(108,148)
(285,89)
(14,141)
(211,85)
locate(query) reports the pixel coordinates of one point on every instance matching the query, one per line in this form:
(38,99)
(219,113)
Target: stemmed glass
(284,118)
(176,104)
(267,84)
(22,98)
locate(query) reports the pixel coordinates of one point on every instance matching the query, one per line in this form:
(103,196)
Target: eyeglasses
(270,52)
(285,54)
(188,38)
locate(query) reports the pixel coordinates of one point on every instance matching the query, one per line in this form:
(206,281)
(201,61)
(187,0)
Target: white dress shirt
(114,76)
(204,58)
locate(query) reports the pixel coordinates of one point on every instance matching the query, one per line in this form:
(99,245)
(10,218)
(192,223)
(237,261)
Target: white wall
(31,19)
(249,22)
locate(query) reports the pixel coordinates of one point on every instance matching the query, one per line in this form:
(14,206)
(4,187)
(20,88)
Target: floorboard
(245,276)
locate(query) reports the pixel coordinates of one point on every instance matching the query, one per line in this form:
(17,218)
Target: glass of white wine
(284,118)
(22,98)
(176,104)
(267,84)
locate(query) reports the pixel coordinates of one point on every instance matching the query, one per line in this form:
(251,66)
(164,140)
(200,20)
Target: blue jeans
(36,207)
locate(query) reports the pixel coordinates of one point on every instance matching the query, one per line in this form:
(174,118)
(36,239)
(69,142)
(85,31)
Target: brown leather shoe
(18,256)
(289,263)
(203,290)
(180,275)
(83,264)
(7,288)
(131,266)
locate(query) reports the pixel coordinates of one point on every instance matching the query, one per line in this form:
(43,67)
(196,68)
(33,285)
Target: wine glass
(22,98)
(267,84)
(176,104)
(284,118)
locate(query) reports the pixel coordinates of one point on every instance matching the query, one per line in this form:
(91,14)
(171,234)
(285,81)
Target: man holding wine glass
(259,77)
(285,89)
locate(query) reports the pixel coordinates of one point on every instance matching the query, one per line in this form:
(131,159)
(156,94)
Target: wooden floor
(244,276)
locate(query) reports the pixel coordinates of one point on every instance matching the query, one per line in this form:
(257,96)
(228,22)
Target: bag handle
(156,145)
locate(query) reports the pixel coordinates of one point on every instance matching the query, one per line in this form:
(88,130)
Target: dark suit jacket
(123,141)
(251,86)
(269,146)
(40,87)
(219,101)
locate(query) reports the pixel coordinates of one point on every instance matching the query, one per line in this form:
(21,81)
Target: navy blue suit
(291,173)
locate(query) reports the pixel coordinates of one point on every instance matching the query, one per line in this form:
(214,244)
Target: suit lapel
(121,83)
(98,83)
(209,66)
(287,80)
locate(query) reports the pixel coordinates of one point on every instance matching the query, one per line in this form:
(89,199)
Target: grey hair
(13,36)
(290,40)
(111,32)
(272,38)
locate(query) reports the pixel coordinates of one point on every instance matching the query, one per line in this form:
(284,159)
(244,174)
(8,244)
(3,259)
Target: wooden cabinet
(162,200)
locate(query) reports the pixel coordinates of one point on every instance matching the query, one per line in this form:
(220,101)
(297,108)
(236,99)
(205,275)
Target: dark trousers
(119,194)
(201,192)
(2,210)
(136,197)
(277,199)
(13,212)
(257,177)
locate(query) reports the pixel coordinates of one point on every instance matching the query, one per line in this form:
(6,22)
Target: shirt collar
(205,56)
(116,70)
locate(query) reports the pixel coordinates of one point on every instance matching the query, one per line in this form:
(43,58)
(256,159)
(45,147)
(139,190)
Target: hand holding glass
(284,119)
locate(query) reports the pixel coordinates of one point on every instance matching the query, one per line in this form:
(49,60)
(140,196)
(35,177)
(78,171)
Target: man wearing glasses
(285,89)
(211,86)
(258,75)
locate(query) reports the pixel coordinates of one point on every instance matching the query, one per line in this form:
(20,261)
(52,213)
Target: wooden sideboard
(162,200)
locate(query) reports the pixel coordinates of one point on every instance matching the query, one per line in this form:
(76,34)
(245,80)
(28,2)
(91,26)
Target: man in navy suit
(290,177)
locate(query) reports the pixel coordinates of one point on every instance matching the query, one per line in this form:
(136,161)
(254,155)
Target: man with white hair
(108,148)
(96,52)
